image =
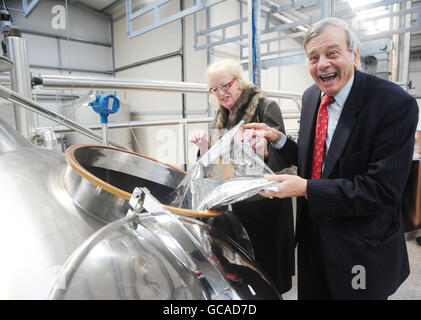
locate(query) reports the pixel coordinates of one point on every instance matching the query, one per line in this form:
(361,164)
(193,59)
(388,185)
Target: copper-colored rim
(76,166)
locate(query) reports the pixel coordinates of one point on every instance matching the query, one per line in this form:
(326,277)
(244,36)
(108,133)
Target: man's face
(331,63)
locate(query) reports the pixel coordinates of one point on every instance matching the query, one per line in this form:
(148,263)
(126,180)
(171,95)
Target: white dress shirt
(335,109)
(334,112)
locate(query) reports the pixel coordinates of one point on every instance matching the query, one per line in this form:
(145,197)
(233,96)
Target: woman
(268,222)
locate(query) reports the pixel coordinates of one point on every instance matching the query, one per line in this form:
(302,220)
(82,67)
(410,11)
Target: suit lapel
(346,123)
(307,127)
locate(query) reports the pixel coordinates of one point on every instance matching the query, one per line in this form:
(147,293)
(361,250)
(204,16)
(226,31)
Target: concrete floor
(409,290)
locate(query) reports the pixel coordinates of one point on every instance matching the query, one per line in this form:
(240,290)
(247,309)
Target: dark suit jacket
(356,205)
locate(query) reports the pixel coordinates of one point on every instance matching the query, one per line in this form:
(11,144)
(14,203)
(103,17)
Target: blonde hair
(229,66)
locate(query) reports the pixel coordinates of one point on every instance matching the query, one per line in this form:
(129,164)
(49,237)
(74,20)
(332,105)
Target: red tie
(320,136)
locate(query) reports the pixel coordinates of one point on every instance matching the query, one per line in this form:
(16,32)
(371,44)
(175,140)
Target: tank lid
(83,157)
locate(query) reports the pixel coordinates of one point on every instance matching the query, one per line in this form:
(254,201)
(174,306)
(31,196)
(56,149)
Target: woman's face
(227,95)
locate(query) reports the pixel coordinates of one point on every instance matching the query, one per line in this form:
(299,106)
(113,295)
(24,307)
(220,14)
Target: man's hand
(263,130)
(288,186)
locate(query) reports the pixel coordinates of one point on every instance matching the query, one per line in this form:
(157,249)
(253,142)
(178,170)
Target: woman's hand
(201,140)
(257,141)
(258,135)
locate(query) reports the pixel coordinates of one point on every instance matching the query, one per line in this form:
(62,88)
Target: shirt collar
(342,95)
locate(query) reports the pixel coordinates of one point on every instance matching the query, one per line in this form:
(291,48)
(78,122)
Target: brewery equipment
(73,228)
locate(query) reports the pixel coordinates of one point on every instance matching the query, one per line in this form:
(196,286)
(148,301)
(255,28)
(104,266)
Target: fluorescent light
(371,13)
(377,26)
(359,3)
(373,25)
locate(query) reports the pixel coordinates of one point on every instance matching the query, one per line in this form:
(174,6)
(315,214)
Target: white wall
(49,55)
(52,51)
(292,78)
(164,143)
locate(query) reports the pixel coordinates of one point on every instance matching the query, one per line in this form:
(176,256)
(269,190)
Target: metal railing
(52,115)
(66,82)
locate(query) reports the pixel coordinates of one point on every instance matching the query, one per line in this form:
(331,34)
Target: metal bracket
(136,202)
(28,6)
(158,22)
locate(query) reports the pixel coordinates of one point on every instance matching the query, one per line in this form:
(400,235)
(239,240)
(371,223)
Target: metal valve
(105,104)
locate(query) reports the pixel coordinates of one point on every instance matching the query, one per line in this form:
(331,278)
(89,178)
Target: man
(350,237)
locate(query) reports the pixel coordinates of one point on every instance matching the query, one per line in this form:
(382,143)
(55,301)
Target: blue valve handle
(105,104)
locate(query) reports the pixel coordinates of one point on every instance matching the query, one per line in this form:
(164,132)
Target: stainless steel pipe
(63,82)
(66,82)
(137,124)
(151,123)
(282,95)
(54,116)
(20,79)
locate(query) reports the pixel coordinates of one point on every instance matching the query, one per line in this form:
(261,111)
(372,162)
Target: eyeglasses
(224,87)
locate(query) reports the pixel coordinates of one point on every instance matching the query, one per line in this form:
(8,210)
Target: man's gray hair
(319,27)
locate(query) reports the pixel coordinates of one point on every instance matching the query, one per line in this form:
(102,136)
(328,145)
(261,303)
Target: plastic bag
(229,172)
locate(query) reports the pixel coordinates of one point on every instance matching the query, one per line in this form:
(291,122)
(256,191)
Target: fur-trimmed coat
(253,106)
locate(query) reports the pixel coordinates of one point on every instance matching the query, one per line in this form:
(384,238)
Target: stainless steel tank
(66,234)
(157,255)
